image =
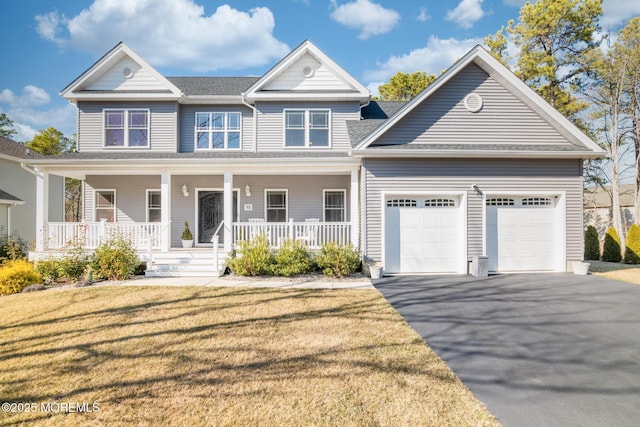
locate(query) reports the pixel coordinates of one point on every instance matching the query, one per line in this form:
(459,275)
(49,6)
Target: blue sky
(47,43)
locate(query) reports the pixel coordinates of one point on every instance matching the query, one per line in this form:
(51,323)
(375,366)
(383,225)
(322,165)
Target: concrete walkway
(305,282)
(538,349)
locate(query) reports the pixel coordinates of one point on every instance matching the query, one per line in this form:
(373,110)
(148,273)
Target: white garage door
(522,233)
(422,235)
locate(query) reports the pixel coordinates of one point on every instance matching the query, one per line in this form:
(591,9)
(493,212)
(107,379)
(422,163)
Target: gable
(126,74)
(503,119)
(308,74)
(120,75)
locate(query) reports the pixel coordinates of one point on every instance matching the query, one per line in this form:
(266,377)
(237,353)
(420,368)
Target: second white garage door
(523,234)
(422,235)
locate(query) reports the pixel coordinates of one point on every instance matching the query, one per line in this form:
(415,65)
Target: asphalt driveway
(538,349)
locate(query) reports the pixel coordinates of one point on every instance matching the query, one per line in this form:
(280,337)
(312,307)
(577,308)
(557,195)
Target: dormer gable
(121,74)
(307,73)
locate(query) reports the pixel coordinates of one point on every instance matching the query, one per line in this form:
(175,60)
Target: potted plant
(187,237)
(376,271)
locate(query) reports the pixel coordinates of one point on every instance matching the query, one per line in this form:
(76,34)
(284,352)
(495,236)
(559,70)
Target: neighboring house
(597,207)
(18,192)
(477,164)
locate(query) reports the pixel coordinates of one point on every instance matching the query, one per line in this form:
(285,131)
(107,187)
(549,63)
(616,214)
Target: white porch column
(228,210)
(42,209)
(165,209)
(355,208)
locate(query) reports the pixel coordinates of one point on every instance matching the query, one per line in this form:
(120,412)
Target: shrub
(49,269)
(13,247)
(292,258)
(74,263)
(253,258)
(611,249)
(338,260)
(115,259)
(15,275)
(591,244)
(186,233)
(632,245)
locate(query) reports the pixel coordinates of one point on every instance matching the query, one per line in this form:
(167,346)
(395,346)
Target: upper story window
(218,131)
(126,128)
(307,128)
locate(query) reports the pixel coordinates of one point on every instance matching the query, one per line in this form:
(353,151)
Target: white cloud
(170,32)
(617,12)
(30,112)
(466,13)
(423,17)
(437,55)
(370,18)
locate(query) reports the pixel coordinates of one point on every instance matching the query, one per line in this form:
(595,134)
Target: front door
(211,214)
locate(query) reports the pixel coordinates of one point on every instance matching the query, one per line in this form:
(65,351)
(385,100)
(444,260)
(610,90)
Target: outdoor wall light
(247,191)
(475,188)
(185,191)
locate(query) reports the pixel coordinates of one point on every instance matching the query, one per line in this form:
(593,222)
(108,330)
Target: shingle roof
(14,149)
(6,196)
(373,115)
(598,197)
(474,147)
(142,155)
(194,86)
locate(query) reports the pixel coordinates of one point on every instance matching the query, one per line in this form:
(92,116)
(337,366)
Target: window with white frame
(126,128)
(334,205)
(105,205)
(218,131)
(154,207)
(276,205)
(307,128)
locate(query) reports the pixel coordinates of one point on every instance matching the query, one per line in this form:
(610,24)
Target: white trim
(95,204)
(462,217)
(560,210)
(286,192)
(344,202)
(196,225)
(126,129)
(363,94)
(147,191)
(117,53)
(307,128)
(211,131)
(494,68)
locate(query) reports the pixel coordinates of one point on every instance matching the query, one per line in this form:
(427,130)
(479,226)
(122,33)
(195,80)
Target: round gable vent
(126,72)
(307,71)
(473,102)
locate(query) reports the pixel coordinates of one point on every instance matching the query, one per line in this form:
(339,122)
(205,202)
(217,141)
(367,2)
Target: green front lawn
(223,356)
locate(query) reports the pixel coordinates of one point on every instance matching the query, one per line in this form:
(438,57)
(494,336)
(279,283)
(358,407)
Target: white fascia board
(115,96)
(494,68)
(11,202)
(293,56)
(487,154)
(114,55)
(306,96)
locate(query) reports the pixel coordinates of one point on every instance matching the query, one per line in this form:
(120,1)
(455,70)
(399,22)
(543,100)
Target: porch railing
(314,234)
(59,235)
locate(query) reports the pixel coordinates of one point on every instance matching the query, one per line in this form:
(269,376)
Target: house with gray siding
(476,165)
(18,192)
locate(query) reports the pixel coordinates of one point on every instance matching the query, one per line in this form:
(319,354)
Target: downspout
(255,122)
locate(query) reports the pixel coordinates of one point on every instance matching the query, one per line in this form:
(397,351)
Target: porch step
(186,263)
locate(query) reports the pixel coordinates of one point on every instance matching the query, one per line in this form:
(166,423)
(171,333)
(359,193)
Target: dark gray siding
(163,125)
(509,176)
(443,119)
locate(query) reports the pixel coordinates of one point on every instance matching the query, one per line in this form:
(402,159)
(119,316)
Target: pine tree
(591,244)
(632,248)
(611,250)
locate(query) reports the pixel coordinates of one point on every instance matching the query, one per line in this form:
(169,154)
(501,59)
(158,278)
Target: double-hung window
(334,205)
(126,128)
(276,205)
(154,207)
(218,131)
(105,205)
(307,128)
